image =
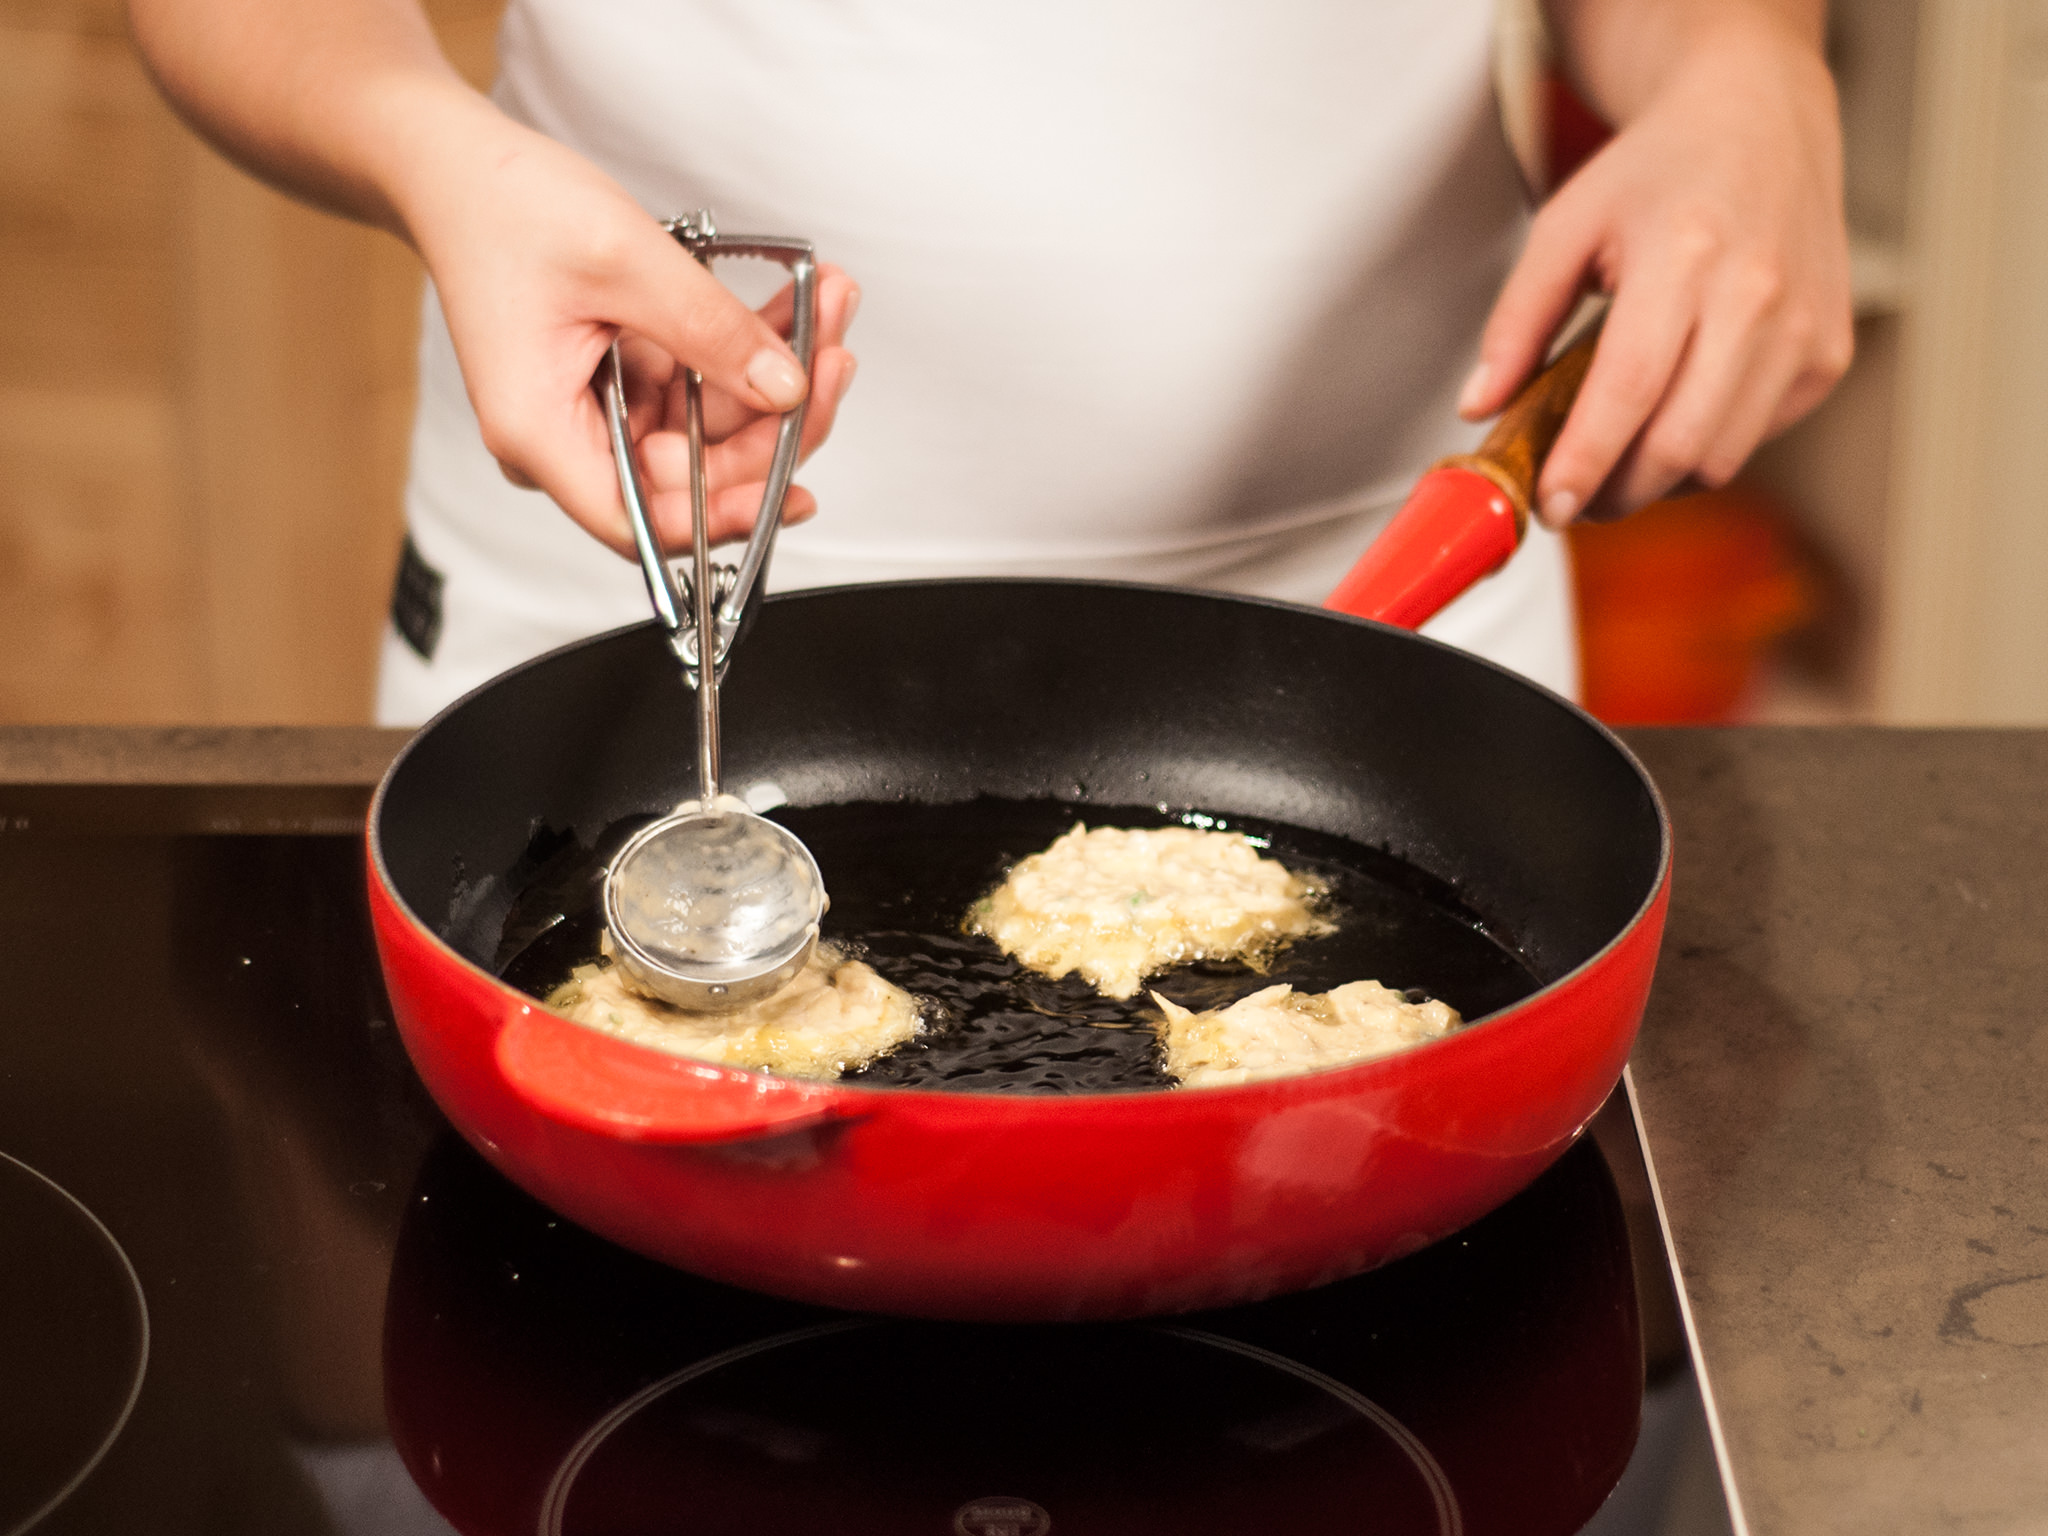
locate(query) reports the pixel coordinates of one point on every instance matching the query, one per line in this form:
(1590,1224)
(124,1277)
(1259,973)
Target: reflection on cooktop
(539,1379)
(73,1323)
(869,1425)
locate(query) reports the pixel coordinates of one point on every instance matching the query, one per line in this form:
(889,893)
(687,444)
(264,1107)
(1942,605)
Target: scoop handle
(1469,512)
(703,593)
(734,599)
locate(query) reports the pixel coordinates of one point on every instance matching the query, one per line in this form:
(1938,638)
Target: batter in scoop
(838,1014)
(1117,905)
(1279,1031)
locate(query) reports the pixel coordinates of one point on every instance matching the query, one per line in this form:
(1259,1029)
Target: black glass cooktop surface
(252,1282)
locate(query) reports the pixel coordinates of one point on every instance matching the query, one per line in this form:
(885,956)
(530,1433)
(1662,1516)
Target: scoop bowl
(713,909)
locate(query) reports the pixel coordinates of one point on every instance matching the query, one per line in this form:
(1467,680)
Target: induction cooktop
(251,1281)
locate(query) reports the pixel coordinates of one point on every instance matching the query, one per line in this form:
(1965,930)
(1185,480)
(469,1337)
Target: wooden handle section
(1470,512)
(1512,455)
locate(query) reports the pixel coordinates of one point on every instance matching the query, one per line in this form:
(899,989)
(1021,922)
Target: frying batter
(1117,905)
(1278,1031)
(836,1015)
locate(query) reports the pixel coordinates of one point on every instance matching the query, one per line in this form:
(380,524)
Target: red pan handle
(1469,512)
(612,1088)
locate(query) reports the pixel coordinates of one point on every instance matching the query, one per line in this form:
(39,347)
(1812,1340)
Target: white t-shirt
(1158,290)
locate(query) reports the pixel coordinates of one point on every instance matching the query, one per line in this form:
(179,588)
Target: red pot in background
(1680,604)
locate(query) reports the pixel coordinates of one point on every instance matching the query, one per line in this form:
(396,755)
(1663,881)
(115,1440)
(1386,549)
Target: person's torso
(1138,278)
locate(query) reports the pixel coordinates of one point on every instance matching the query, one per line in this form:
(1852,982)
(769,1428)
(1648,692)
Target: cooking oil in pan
(903,877)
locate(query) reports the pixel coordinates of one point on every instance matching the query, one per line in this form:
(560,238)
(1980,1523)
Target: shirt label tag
(416,601)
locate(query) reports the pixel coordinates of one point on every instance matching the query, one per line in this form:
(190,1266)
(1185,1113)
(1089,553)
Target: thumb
(659,291)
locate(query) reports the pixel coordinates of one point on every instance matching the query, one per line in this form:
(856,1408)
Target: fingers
(1748,369)
(1819,371)
(1745,421)
(740,441)
(649,374)
(1645,336)
(746,455)
(1712,412)
(838,299)
(571,459)
(1538,297)
(673,311)
(732,512)
(662,293)
(835,375)
(543,420)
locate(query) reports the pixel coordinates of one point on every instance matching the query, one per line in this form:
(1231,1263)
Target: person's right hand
(739,439)
(541,260)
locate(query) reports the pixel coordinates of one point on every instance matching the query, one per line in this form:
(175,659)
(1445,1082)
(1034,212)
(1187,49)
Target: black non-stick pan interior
(1094,693)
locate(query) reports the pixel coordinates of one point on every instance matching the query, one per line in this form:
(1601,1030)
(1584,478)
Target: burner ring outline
(120,1423)
(554,1505)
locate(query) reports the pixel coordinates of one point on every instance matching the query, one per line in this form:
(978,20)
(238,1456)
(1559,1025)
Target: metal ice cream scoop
(712,906)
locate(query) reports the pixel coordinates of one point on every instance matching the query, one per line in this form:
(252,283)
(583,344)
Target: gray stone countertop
(1844,1078)
(1843,1075)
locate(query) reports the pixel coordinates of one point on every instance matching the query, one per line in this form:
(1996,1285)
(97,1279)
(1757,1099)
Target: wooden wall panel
(1965,601)
(295,420)
(205,393)
(97,564)
(96,574)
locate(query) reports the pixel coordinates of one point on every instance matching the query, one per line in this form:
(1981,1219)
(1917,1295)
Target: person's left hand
(1715,220)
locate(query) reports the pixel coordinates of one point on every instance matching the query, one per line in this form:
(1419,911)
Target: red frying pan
(1010,1206)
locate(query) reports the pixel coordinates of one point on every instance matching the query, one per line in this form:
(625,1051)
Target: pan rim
(1266,1086)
